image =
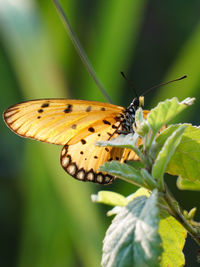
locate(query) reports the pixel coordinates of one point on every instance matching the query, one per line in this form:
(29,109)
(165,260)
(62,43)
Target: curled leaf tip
(188,101)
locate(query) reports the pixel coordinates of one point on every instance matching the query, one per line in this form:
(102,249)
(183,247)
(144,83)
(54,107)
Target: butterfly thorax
(129,119)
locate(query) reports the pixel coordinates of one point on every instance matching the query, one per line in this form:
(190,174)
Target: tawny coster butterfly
(78,125)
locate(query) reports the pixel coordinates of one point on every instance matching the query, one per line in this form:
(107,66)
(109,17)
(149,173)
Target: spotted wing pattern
(78,125)
(82,159)
(57,120)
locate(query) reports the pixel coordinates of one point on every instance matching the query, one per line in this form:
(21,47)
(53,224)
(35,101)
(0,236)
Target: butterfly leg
(122,132)
(116,131)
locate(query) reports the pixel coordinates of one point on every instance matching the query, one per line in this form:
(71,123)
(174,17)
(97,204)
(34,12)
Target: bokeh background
(46,217)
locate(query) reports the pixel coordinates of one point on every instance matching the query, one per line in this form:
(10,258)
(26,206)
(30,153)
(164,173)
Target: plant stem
(175,212)
(80,50)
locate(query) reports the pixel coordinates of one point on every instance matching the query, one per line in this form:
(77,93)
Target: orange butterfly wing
(81,158)
(56,120)
(76,124)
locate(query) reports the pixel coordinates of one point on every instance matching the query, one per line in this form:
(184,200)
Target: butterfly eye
(136,102)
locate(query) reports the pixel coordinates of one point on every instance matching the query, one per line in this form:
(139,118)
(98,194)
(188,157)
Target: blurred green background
(46,217)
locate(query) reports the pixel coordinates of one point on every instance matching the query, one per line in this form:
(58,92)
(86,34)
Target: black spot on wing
(45,105)
(74,126)
(91,129)
(83,141)
(40,110)
(88,109)
(68,109)
(106,122)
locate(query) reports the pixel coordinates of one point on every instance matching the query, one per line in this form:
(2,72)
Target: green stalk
(176,213)
(80,50)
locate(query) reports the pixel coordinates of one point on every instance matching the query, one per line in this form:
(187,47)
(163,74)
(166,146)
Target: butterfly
(77,125)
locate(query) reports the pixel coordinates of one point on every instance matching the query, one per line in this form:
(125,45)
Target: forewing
(56,120)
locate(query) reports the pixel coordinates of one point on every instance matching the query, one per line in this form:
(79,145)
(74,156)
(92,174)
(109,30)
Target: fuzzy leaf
(132,239)
(123,171)
(185,184)
(173,237)
(135,164)
(123,141)
(140,192)
(166,153)
(139,115)
(166,111)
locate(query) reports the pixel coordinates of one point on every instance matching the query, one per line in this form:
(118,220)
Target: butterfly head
(138,102)
(130,113)
(135,104)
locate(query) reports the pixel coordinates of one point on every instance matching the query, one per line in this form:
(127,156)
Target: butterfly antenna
(129,82)
(80,50)
(161,84)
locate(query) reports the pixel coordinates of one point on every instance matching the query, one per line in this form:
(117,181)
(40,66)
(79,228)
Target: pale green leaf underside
(123,171)
(132,239)
(123,141)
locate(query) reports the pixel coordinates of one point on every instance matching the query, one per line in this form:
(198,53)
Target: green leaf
(173,237)
(122,141)
(166,111)
(142,126)
(186,160)
(110,198)
(166,153)
(162,137)
(135,164)
(132,239)
(139,116)
(140,192)
(185,184)
(123,171)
